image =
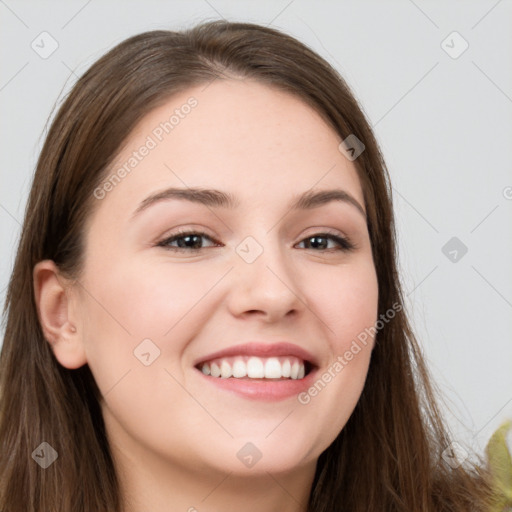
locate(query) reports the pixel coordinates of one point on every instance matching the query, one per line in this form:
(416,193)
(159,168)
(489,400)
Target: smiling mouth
(256,368)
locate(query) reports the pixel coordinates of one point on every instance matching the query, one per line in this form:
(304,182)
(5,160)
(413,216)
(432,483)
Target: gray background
(443,121)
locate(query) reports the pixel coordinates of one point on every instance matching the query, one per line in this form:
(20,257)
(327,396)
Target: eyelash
(345,244)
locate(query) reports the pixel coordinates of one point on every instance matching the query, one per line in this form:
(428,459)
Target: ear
(54,300)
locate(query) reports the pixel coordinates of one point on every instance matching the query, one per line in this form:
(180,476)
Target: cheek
(144,301)
(348,303)
(129,303)
(349,308)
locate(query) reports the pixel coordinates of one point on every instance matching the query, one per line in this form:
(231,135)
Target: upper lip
(261,349)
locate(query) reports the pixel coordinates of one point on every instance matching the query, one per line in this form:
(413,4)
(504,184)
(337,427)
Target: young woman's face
(259,286)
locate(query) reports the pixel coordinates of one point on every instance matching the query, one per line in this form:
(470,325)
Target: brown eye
(191,241)
(321,241)
(186,241)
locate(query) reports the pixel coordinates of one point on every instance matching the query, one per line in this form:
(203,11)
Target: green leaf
(500,463)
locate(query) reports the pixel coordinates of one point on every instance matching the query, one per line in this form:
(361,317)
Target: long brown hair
(386,458)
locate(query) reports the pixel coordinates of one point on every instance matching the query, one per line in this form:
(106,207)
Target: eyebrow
(219,199)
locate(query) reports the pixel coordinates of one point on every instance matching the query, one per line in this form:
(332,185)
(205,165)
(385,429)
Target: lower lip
(269,390)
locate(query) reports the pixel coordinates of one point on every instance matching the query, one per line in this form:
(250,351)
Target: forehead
(248,138)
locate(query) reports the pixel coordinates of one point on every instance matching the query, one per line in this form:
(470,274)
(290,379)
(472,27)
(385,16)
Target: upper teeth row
(255,367)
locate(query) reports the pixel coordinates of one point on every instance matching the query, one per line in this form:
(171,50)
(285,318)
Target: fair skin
(174,432)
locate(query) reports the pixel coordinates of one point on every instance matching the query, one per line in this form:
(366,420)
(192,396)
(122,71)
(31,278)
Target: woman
(205,312)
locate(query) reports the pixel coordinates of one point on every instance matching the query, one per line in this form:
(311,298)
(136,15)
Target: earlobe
(53,298)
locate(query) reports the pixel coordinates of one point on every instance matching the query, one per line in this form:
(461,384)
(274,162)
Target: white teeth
(255,369)
(239,369)
(287,367)
(225,370)
(272,368)
(215,370)
(294,371)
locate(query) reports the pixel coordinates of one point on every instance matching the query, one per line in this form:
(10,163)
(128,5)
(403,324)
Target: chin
(260,455)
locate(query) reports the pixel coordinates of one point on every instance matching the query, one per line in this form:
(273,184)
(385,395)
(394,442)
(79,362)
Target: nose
(267,287)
